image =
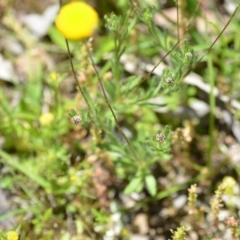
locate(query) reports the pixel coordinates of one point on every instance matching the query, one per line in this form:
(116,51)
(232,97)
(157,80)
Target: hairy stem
(75,76)
(109,105)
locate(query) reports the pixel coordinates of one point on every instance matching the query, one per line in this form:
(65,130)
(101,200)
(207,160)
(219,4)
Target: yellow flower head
(53,76)
(12,235)
(46,119)
(76,20)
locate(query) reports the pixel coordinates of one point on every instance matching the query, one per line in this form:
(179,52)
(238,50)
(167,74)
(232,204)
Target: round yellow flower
(53,76)
(76,20)
(12,235)
(46,119)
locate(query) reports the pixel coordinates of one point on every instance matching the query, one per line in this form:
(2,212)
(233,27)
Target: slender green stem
(221,33)
(213,43)
(73,70)
(178,25)
(160,61)
(109,105)
(75,75)
(212,103)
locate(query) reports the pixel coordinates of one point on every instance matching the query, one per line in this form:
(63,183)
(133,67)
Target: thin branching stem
(213,43)
(160,61)
(221,33)
(108,103)
(75,75)
(72,67)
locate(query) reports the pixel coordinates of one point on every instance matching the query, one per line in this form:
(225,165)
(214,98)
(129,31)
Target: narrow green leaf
(132,24)
(72,113)
(136,185)
(87,96)
(151,184)
(7,159)
(47,214)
